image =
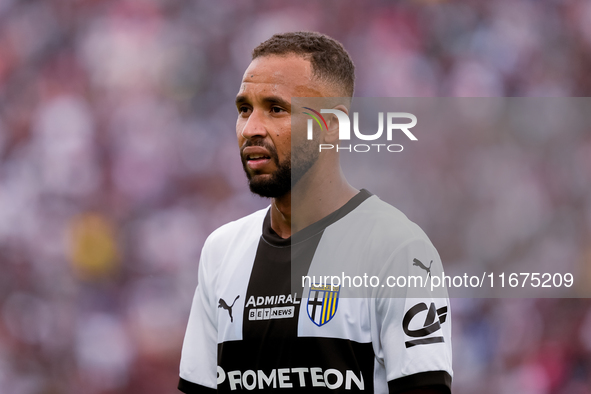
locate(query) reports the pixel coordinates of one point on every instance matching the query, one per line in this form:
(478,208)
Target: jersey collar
(272,238)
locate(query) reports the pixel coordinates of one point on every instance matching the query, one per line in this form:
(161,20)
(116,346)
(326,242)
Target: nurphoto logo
(392,124)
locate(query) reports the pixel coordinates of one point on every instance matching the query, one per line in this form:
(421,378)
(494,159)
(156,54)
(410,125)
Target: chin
(268,187)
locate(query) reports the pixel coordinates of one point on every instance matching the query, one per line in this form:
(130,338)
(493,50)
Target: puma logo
(419,264)
(224,305)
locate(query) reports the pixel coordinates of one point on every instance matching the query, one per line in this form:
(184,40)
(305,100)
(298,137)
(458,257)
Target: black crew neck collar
(272,238)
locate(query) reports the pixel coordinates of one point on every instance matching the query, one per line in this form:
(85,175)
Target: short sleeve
(198,368)
(414,332)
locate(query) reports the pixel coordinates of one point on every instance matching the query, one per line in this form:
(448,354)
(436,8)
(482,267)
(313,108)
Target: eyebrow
(241,99)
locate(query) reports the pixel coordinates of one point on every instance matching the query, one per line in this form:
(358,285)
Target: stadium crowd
(118,157)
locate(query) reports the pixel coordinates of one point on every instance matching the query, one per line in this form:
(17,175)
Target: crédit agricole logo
(392,124)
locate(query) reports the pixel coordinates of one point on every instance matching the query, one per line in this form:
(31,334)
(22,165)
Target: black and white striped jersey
(250,329)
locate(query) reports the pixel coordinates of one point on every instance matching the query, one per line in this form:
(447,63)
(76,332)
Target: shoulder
(381,221)
(374,237)
(237,231)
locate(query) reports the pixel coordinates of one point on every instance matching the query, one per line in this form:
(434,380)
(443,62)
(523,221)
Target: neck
(314,198)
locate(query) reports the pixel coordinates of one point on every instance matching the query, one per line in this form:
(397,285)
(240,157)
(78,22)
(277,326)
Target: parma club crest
(323,301)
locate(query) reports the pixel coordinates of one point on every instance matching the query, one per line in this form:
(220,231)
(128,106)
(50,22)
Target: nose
(253,126)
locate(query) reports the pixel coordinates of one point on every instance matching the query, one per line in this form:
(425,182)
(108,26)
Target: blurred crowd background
(118,157)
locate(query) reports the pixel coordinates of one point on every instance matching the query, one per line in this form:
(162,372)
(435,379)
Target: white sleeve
(198,369)
(414,332)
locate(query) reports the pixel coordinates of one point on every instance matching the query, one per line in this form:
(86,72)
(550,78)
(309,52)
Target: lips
(256,157)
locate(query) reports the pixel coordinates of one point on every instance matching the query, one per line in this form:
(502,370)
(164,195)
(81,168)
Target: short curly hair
(329,59)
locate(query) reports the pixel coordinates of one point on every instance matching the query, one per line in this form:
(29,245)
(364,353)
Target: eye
(277,110)
(243,109)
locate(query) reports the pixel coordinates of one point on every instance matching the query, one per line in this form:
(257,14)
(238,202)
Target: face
(263,127)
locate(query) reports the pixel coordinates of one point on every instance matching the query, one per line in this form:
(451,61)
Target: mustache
(261,143)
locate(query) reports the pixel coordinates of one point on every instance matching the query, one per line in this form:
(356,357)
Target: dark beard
(279,184)
(284,177)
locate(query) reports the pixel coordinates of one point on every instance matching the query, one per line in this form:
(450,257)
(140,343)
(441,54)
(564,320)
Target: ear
(332,134)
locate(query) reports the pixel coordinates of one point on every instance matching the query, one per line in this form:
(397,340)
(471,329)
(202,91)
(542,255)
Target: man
(249,328)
